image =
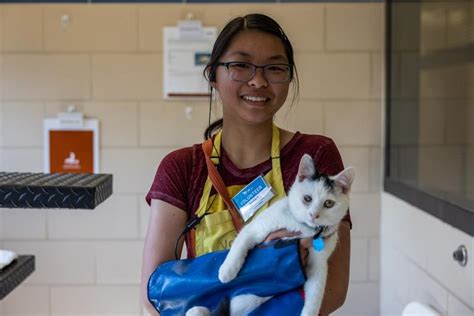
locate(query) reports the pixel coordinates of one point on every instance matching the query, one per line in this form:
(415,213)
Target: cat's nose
(315,216)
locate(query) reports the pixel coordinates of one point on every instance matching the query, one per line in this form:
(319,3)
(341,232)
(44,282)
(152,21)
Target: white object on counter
(419,309)
(6,257)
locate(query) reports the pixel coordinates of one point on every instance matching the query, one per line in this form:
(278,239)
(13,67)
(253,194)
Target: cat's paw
(228,272)
(198,311)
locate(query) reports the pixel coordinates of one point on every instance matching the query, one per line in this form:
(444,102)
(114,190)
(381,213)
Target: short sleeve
(328,161)
(172,178)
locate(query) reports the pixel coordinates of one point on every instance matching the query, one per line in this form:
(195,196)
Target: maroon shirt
(182,173)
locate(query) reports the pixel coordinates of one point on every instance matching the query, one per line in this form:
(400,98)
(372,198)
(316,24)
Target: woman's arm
(165,225)
(338,272)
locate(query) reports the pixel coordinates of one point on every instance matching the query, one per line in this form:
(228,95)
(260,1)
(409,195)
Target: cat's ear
(306,169)
(344,179)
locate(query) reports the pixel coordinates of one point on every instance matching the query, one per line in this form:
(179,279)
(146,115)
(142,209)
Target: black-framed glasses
(244,72)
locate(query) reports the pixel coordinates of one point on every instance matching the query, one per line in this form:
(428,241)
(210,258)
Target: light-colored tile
(172,124)
(365,214)
(457,308)
(362,300)
(343,123)
(377,84)
(14,115)
(309,117)
(116,218)
(1,75)
(376,171)
(23,224)
(97,300)
(59,262)
(292,17)
(112,116)
(2,164)
(374,259)
(357,26)
(38,76)
(119,262)
(52,108)
(153,18)
(140,171)
(1,32)
(118,122)
(2,118)
(23,28)
(27,300)
(127,76)
(358,157)
(359,259)
(295,17)
(144,216)
(22,160)
(336,75)
(286,116)
(101,27)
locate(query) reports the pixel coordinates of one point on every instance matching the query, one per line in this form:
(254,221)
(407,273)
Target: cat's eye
(328,203)
(307,198)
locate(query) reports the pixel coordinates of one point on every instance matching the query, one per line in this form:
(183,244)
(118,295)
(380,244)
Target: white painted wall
(417,264)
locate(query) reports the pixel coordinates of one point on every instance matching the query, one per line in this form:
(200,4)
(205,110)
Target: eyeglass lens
(244,72)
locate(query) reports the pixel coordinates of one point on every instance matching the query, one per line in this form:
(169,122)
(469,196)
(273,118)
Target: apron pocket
(215,232)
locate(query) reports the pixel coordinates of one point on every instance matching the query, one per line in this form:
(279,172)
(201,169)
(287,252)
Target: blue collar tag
(318,244)
(252,197)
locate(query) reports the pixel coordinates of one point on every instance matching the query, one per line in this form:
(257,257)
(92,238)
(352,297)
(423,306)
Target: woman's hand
(305,243)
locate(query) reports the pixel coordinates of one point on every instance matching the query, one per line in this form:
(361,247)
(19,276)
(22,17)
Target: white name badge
(252,197)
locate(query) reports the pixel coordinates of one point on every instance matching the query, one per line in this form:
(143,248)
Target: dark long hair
(255,21)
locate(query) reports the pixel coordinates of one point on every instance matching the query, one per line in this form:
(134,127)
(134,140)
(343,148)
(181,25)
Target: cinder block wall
(108,62)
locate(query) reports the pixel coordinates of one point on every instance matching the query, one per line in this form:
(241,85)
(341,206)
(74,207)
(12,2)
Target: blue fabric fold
(270,269)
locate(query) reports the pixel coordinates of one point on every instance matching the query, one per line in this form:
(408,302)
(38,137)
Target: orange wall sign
(71,144)
(71,151)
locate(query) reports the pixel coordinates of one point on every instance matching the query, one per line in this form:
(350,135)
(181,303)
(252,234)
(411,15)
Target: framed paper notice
(71,147)
(187,50)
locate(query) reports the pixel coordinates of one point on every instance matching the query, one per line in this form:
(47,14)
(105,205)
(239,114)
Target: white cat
(314,201)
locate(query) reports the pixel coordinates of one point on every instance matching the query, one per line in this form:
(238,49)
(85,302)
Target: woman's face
(255,101)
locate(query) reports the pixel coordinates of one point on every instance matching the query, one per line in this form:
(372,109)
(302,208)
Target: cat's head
(319,200)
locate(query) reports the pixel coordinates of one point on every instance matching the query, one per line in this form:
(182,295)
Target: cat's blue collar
(318,239)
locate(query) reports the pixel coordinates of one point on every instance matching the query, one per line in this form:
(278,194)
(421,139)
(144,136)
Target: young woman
(251,68)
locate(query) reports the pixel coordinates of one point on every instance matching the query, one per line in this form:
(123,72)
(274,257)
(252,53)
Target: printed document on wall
(187,50)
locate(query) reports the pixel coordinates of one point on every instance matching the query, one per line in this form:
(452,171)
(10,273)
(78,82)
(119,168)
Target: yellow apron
(216,230)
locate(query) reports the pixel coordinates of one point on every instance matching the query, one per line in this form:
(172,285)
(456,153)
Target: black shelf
(15,273)
(55,190)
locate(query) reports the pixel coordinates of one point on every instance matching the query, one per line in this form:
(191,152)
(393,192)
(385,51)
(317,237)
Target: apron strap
(219,185)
